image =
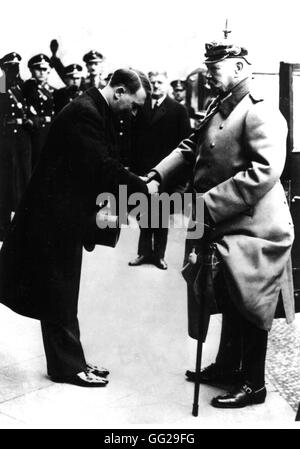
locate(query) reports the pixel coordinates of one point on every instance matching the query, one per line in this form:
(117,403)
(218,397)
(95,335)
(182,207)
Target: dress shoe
(89,247)
(139,260)
(98,371)
(82,379)
(240,397)
(160,263)
(216,375)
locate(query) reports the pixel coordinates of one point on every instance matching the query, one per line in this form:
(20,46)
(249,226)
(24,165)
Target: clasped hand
(153,185)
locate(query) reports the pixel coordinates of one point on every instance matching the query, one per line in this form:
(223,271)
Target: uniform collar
(233,97)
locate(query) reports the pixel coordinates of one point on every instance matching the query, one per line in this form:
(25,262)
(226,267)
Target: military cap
(178,84)
(73,69)
(93,56)
(10,58)
(218,51)
(39,61)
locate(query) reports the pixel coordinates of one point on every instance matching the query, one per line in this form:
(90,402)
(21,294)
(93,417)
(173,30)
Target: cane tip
(195,410)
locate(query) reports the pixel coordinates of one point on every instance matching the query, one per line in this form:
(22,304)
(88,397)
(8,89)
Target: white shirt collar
(103,96)
(157,101)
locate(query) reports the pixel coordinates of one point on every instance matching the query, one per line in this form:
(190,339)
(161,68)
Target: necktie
(155,107)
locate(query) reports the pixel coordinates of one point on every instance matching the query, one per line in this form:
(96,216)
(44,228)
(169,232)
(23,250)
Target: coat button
(212,145)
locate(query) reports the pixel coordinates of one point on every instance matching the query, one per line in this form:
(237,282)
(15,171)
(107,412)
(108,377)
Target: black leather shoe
(98,371)
(160,263)
(139,260)
(82,379)
(241,397)
(216,375)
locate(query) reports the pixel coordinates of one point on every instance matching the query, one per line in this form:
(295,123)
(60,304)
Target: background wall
(167,34)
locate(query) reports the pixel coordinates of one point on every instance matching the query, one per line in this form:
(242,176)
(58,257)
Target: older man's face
(221,76)
(159,84)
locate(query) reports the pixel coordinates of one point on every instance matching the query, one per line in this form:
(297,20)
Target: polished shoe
(82,379)
(216,375)
(241,397)
(139,260)
(160,263)
(98,371)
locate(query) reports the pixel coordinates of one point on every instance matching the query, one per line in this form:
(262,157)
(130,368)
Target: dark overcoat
(63,96)
(154,136)
(238,156)
(40,260)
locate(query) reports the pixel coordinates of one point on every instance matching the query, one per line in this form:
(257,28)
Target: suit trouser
(64,353)
(153,242)
(242,345)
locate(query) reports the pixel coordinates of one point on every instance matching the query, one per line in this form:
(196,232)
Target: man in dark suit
(40,260)
(72,77)
(15,143)
(158,129)
(39,96)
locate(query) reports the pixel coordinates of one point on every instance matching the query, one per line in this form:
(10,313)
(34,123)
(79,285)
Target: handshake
(152,185)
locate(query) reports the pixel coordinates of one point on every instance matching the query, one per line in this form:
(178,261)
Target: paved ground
(133,321)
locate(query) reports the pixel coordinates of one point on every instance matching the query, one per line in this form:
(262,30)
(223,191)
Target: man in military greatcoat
(237,155)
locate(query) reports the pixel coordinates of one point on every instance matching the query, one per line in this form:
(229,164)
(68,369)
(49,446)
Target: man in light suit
(159,127)
(237,154)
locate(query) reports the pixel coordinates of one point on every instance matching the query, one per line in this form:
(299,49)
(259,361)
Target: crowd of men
(27,109)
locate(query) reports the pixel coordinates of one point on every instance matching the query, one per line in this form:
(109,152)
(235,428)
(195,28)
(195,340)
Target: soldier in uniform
(94,65)
(237,155)
(73,77)
(39,96)
(179,90)
(15,145)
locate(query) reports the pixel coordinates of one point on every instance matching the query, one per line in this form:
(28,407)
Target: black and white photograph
(149,217)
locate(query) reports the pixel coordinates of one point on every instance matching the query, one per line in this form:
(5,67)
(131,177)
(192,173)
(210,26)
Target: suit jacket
(238,156)
(155,136)
(40,260)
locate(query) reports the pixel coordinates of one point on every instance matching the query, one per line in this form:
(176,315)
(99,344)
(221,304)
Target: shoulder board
(255,98)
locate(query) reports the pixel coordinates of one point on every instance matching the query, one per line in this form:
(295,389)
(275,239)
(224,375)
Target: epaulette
(255,98)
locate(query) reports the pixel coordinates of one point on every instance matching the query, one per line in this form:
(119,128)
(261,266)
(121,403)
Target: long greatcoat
(238,155)
(40,260)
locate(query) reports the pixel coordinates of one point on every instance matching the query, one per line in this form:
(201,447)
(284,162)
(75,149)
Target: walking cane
(197,376)
(210,267)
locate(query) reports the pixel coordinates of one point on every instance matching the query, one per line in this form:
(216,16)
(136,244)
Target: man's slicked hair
(131,79)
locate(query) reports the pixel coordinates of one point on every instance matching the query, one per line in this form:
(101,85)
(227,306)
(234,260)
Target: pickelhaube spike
(226,31)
